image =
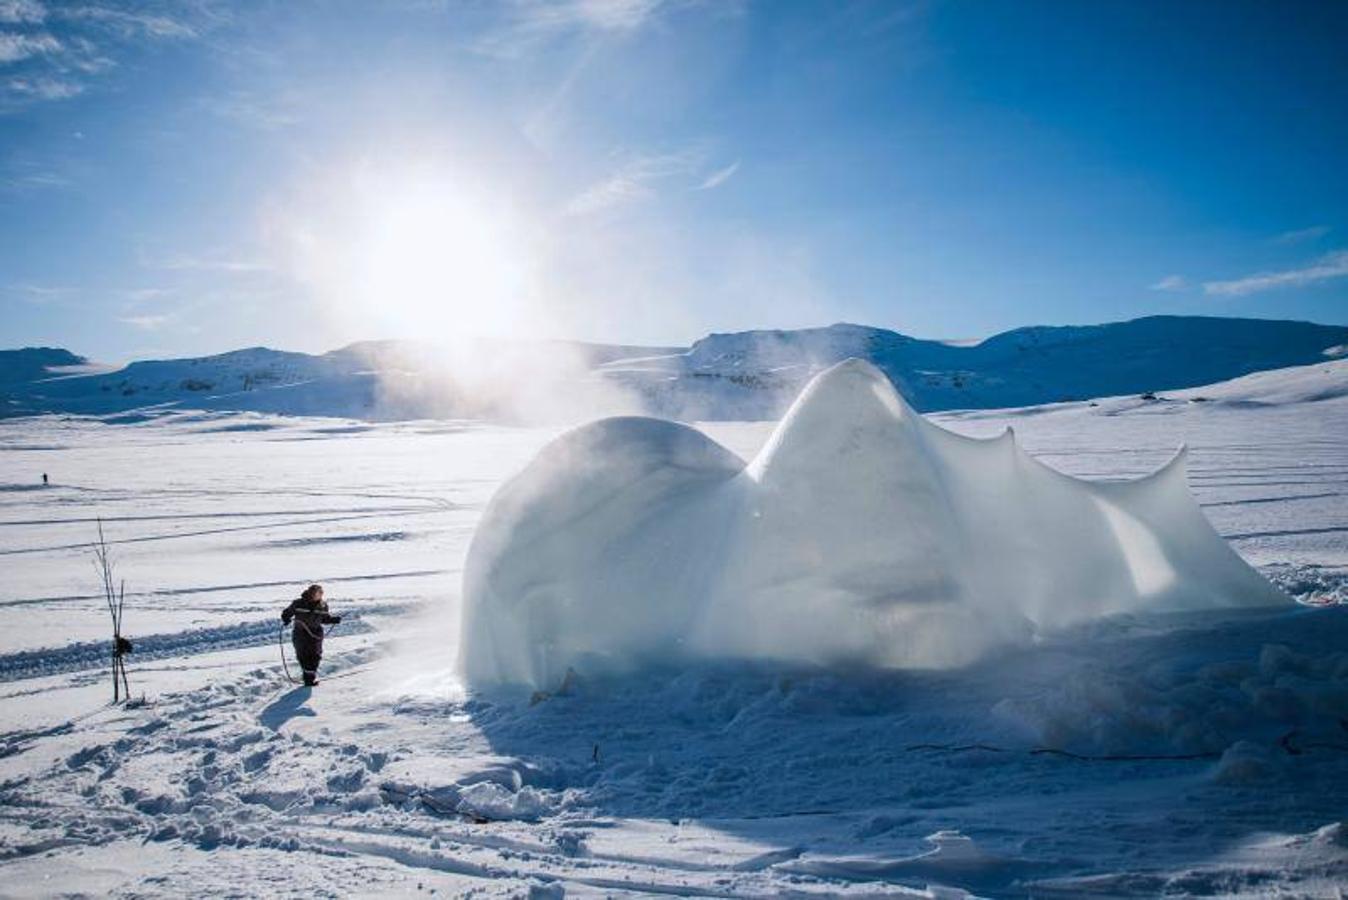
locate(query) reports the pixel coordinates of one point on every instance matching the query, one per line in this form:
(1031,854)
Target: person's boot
(309,680)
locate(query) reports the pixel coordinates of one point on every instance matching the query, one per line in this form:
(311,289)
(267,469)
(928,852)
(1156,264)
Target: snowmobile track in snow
(95,654)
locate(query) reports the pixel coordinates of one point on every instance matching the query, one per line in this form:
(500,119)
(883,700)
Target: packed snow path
(714,781)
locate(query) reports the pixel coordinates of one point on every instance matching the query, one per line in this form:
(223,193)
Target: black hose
(281,640)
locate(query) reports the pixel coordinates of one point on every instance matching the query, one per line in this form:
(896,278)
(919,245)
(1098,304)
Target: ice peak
(856,382)
(849,410)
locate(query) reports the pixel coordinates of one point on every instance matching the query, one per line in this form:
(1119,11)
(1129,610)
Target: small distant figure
(310,613)
(44,479)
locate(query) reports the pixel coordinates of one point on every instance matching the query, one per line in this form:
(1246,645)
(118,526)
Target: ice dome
(861,534)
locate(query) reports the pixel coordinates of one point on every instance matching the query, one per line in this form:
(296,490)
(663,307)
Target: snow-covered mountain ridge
(744,375)
(32,363)
(753,375)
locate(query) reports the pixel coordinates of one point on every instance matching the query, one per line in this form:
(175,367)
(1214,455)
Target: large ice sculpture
(862,534)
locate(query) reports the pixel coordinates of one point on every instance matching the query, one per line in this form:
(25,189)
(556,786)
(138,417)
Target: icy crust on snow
(861,534)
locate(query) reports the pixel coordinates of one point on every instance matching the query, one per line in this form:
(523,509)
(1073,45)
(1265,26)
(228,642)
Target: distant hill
(745,375)
(32,363)
(375,380)
(753,374)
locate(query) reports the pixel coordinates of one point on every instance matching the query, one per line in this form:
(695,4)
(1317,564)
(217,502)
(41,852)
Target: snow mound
(1297,384)
(861,534)
(492,801)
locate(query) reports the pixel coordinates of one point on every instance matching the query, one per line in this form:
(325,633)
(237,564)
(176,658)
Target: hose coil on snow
(281,645)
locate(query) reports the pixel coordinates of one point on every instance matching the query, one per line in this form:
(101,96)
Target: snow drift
(862,534)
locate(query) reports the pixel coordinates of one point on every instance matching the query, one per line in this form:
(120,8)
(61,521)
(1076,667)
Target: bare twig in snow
(116,600)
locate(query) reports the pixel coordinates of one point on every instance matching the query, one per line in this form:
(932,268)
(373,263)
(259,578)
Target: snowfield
(1200,752)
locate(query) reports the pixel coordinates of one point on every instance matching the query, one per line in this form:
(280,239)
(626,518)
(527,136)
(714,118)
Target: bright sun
(414,251)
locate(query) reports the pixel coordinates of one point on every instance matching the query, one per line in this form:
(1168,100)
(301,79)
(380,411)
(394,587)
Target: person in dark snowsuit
(310,613)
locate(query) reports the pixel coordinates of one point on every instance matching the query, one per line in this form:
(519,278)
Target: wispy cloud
(16,46)
(620,188)
(1170,283)
(50,53)
(13,12)
(1332,265)
(41,88)
(634,179)
(603,15)
(146,322)
(263,112)
(130,22)
(719,177)
(39,294)
(141,295)
(525,24)
(21,179)
(210,263)
(586,29)
(637,177)
(1302,235)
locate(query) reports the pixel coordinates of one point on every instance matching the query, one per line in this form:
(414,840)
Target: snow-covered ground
(726,779)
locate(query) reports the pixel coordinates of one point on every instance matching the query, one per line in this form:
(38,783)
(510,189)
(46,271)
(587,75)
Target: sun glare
(413,251)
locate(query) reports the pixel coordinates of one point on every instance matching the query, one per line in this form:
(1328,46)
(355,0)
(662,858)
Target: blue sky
(190,177)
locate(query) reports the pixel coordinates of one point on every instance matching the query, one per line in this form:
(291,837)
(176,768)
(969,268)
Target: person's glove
(336,620)
(285,618)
